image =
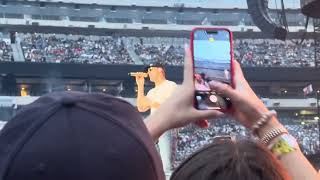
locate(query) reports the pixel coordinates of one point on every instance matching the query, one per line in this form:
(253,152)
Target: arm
(298,166)
(247,109)
(178,110)
(294,162)
(143,102)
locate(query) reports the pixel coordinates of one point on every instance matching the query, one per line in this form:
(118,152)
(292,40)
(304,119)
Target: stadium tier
(54,14)
(241,4)
(54,48)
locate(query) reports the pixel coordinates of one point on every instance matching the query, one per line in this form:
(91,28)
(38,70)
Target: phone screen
(212,61)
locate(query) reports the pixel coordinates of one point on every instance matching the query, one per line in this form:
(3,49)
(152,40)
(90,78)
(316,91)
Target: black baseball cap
(156,64)
(78,136)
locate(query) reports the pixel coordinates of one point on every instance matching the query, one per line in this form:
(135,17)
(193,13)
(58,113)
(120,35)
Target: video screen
(212,58)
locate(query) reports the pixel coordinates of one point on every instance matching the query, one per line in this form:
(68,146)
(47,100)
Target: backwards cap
(78,136)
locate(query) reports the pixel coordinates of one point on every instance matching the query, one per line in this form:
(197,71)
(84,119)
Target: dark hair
(230,160)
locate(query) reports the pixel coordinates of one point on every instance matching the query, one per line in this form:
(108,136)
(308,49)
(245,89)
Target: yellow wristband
(284,145)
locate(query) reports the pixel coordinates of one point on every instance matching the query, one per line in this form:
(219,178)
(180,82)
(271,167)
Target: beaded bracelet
(265,118)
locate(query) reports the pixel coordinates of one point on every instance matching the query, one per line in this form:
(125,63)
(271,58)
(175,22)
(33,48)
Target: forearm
(156,124)
(140,92)
(154,128)
(298,167)
(142,101)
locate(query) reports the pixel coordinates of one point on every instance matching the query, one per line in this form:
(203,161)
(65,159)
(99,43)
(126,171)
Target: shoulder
(171,83)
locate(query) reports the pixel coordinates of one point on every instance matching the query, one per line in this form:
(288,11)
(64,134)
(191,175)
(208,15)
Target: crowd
(167,54)
(67,49)
(5,51)
(258,52)
(112,50)
(267,53)
(307,136)
(191,138)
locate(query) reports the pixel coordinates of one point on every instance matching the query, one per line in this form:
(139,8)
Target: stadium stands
(169,55)
(70,49)
(5,51)
(192,138)
(258,52)
(290,53)
(115,50)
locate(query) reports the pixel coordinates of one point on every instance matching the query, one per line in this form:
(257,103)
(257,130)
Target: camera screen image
(212,58)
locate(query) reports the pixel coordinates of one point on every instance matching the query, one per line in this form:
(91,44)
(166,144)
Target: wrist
(283,144)
(140,91)
(273,123)
(157,125)
(154,129)
(140,84)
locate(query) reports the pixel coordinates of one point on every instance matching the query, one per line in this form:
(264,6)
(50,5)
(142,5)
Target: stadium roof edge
(209,4)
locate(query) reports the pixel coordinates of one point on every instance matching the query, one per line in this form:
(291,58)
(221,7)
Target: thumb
(223,89)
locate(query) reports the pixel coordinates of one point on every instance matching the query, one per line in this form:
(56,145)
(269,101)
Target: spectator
(78,136)
(229,160)
(248,110)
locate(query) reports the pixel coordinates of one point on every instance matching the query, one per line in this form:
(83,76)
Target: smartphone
(212,54)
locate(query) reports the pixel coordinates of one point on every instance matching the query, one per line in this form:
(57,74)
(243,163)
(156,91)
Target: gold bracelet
(273,133)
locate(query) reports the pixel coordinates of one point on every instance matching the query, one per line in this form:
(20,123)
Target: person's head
(231,160)
(78,136)
(156,73)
